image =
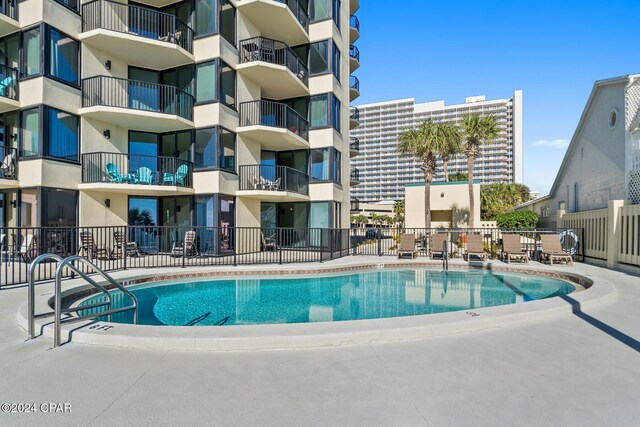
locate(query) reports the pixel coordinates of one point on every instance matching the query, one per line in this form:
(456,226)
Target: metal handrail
(354,52)
(58,297)
(274,52)
(31,316)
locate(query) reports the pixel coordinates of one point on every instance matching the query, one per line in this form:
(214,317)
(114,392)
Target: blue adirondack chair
(4,85)
(178,178)
(114,174)
(145,176)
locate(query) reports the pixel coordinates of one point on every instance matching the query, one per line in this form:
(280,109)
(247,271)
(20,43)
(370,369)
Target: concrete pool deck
(580,368)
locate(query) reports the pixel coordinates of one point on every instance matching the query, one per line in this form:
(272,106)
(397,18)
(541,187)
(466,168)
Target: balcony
(354,87)
(8,167)
(137,35)
(136,174)
(354,147)
(275,67)
(353,6)
(355,204)
(136,105)
(8,89)
(283,20)
(8,17)
(354,58)
(354,28)
(355,177)
(273,183)
(275,125)
(354,118)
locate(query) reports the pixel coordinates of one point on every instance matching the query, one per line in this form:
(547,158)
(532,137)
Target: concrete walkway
(575,370)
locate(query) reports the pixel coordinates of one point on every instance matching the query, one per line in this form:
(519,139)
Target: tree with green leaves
(450,144)
(499,198)
(359,219)
(457,177)
(477,130)
(398,206)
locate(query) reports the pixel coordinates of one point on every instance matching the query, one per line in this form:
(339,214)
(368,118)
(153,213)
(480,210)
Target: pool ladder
(58,310)
(445,256)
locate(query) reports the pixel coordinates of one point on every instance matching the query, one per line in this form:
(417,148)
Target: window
(326,164)
(335,112)
(335,61)
(59,207)
(215,148)
(319,111)
(205,20)
(215,81)
(10,51)
(62,136)
(227,150)
(319,60)
(228,21)
(321,10)
(30,132)
(59,53)
(336,13)
(71,4)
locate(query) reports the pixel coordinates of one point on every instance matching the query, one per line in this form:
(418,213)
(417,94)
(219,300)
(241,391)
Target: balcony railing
(9,166)
(354,53)
(120,168)
(136,95)
(138,21)
(354,22)
(9,8)
(354,83)
(355,114)
(8,82)
(355,175)
(355,144)
(355,204)
(273,114)
(298,11)
(273,52)
(273,178)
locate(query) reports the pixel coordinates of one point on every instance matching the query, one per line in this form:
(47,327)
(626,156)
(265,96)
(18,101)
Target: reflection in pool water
(363,295)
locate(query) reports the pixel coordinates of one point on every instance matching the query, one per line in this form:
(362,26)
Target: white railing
(595,224)
(629,244)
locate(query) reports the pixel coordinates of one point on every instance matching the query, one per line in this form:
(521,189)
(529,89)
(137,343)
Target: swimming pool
(369,294)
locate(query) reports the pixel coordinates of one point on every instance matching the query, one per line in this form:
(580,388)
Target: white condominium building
(382,173)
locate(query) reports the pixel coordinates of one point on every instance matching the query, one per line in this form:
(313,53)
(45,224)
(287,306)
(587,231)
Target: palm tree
(422,143)
(449,144)
(477,130)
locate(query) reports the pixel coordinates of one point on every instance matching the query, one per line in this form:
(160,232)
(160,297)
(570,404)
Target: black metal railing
(355,114)
(273,178)
(148,245)
(136,95)
(354,145)
(9,165)
(354,22)
(355,175)
(273,114)
(354,52)
(138,21)
(120,168)
(298,11)
(354,83)
(355,204)
(9,8)
(8,82)
(273,52)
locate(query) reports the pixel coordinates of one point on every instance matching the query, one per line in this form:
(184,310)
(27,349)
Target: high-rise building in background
(382,172)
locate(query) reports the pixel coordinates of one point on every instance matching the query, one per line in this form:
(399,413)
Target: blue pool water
(363,295)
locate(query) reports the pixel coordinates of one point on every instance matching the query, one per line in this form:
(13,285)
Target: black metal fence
(273,52)
(274,114)
(273,178)
(120,168)
(9,165)
(354,83)
(8,82)
(138,21)
(355,176)
(148,246)
(136,95)
(355,114)
(354,52)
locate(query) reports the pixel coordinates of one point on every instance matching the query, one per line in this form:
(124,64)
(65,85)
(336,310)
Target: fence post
(280,250)
(321,246)
(235,246)
(330,242)
(124,248)
(614,232)
(379,236)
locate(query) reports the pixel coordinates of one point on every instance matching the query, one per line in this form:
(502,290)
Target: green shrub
(518,219)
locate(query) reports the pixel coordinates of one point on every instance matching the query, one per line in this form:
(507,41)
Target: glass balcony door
(144,89)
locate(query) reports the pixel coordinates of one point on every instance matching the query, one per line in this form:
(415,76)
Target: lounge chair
(114,174)
(407,245)
(187,247)
(275,185)
(512,249)
(27,249)
(475,248)
(437,244)
(177,178)
(145,176)
(269,243)
(6,84)
(8,166)
(552,250)
(120,247)
(89,247)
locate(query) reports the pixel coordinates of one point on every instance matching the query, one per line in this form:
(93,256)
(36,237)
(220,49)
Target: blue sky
(553,50)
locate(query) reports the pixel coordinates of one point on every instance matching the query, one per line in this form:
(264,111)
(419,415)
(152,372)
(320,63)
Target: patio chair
(269,243)
(8,166)
(145,176)
(89,247)
(512,249)
(4,253)
(275,185)
(407,245)
(437,244)
(178,178)
(475,247)
(114,174)
(27,249)
(552,250)
(119,247)
(4,85)
(186,247)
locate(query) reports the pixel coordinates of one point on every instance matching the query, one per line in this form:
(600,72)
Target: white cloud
(555,143)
